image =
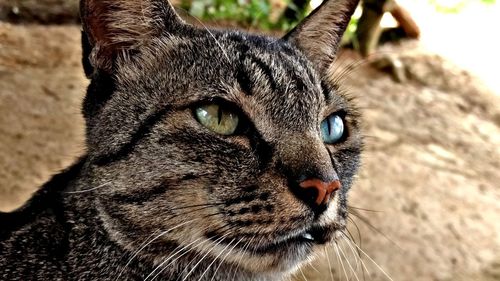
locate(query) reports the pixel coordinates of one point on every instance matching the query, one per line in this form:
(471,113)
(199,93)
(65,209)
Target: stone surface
(41,88)
(42,11)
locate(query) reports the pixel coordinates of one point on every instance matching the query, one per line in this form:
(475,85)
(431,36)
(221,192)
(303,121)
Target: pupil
(219,115)
(329,127)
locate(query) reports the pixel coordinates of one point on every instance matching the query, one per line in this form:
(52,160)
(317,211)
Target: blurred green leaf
(249,13)
(457,6)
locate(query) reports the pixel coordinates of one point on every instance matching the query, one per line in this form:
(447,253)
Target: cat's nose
(317,193)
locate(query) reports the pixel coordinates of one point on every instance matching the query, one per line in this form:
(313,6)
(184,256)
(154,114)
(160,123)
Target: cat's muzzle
(309,237)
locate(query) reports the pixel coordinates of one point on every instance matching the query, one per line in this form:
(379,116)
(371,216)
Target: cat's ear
(115,27)
(318,36)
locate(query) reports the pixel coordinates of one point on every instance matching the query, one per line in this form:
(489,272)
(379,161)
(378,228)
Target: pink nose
(322,189)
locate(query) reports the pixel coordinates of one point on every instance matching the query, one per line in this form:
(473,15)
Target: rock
(392,65)
(41,11)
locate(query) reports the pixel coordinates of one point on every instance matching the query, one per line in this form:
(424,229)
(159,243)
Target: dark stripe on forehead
(329,90)
(139,134)
(326,92)
(246,84)
(299,83)
(245,75)
(297,78)
(302,60)
(265,69)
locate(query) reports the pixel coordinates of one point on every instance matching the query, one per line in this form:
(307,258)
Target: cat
(210,154)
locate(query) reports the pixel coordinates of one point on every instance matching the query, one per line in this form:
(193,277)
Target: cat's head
(233,145)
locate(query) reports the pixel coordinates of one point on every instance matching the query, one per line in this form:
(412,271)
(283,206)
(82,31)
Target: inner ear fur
(318,36)
(116,27)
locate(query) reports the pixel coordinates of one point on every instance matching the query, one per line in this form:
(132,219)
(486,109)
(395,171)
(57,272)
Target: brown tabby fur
(160,196)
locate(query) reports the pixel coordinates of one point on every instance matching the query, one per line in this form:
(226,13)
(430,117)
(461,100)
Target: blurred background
(426,205)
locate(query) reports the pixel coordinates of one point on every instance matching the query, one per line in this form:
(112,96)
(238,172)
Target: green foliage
(255,14)
(444,6)
(447,8)
(249,13)
(350,33)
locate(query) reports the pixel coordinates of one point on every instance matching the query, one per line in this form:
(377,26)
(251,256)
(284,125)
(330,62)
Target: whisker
(329,263)
(359,234)
(131,245)
(363,209)
(218,241)
(222,227)
(302,273)
(340,259)
(239,260)
(223,250)
(359,258)
(356,257)
(197,205)
(348,263)
(342,71)
(173,260)
(348,68)
(375,229)
(339,272)
(223,258)
(189,212)
(215,39)
(376,264)
(186,250)
(87,190)
(176,253)
(311,265)
(211,215)
(148,243)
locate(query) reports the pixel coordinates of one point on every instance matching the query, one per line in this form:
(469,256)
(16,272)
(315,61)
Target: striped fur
(158,195)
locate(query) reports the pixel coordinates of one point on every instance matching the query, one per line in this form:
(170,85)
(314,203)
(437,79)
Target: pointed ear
(116,27)
(318,36)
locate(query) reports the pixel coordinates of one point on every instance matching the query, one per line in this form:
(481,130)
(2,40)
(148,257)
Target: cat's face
(205,140)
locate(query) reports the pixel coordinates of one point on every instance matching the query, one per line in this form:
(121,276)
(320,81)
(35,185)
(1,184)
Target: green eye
(217,118)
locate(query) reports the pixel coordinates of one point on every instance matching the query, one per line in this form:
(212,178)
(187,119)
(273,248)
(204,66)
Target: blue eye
(332,129)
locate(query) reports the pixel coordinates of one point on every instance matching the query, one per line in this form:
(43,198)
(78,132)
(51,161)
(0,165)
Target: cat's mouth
(305,238)
(315,235)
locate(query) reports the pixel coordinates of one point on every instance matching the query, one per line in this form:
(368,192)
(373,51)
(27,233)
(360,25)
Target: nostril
(317,186)
(316,192)
(309,195)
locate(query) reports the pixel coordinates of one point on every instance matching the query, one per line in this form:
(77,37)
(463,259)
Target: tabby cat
(211,155)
